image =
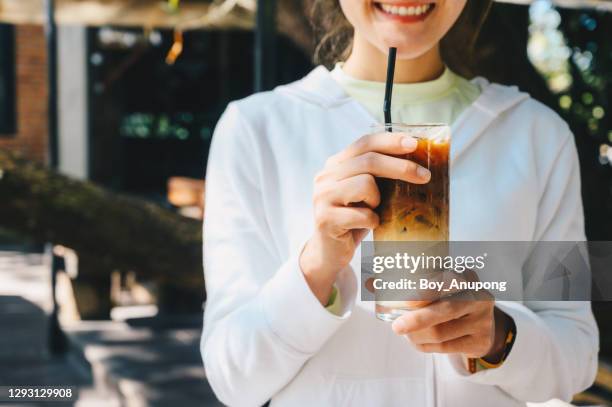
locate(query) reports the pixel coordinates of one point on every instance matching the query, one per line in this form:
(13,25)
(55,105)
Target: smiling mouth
(407,12)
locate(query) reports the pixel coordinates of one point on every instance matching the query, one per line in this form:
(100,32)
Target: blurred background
(107,110)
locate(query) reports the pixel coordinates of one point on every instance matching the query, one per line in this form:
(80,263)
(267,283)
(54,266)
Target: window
(7,80)
(151,121)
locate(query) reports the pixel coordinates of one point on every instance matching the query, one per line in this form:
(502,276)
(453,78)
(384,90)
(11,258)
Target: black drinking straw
(389,89)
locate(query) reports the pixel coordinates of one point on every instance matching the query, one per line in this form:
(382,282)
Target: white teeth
(405,11)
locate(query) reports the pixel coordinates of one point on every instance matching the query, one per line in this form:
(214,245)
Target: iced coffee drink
(415,212)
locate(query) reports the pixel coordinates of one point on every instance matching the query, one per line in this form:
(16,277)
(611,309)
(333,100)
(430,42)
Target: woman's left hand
(475,328)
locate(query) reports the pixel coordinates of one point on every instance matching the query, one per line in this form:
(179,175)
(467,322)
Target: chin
(407,49)
(403,53)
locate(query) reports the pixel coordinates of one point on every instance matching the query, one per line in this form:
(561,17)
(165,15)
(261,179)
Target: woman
(283,320)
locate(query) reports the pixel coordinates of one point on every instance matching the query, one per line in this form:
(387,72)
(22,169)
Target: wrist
(320,277)
(503,323)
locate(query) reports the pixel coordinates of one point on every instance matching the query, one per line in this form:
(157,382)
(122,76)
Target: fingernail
(399,326)
(423,172)
(409,142)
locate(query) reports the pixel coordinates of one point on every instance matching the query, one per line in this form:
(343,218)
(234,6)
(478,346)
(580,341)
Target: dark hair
(334,34)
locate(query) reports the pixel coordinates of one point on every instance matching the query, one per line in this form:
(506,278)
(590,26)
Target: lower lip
(404,19)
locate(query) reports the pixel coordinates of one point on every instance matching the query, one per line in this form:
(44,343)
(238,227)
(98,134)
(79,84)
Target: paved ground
(149,363)
(25,360)
(25,300)
(146,366)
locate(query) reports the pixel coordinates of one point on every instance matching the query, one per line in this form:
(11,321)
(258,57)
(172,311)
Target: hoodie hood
(320,88)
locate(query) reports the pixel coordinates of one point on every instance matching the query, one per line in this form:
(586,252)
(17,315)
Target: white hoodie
(515,176)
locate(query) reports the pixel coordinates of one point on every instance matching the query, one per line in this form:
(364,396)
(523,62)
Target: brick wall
(31,93)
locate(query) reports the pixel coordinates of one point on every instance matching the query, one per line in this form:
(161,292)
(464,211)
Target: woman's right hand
(345,195)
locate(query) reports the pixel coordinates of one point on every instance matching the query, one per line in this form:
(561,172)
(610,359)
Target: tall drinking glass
(413,212)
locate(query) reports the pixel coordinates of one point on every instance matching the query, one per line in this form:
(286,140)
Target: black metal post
(57,340)
(265,45)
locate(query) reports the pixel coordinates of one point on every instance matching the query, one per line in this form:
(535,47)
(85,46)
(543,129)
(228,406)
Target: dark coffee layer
(417,212)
